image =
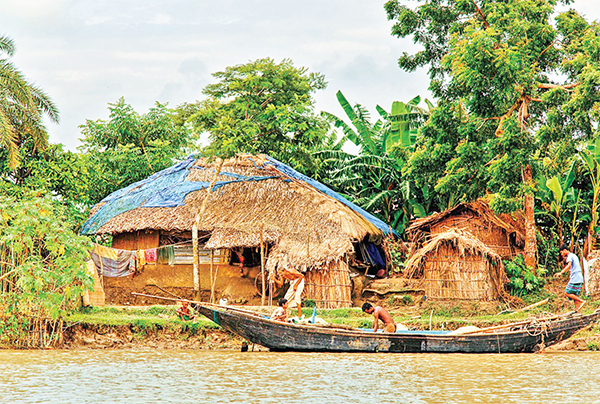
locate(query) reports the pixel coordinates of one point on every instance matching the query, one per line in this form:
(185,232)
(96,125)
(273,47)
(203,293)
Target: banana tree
(591,159)
(560,191)
(373,179)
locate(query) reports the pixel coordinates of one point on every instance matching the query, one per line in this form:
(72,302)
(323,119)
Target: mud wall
(230,283)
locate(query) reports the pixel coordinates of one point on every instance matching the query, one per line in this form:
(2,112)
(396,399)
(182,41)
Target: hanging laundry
(150,255)
(112,262)
(141,257)
(165,255)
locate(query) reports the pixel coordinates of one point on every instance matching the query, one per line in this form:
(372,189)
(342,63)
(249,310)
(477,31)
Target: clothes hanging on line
(112,262)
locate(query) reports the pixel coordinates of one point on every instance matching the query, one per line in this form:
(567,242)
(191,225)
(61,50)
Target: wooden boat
(525,336)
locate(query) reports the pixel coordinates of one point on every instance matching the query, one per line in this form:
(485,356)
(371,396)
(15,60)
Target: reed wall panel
(330,287)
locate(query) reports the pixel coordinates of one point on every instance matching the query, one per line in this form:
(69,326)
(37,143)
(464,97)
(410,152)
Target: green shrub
(309,303)
(593,346)
(522,280)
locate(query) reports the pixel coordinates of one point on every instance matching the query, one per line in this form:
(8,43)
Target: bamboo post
(199,218)
(262,265)
(212,281)
(195,259)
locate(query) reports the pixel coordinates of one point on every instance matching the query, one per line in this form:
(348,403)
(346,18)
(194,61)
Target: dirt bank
(86,336)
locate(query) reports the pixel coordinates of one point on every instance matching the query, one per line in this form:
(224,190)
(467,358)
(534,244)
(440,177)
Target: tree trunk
(530,251)
(590,241)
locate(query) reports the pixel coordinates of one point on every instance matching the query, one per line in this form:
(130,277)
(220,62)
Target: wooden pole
(212,281)
(195,259)
(262,265)
(199,218)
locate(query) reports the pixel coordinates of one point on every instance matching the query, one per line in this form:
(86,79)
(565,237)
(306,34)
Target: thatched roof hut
(457,265)
(504,233)
(307,226)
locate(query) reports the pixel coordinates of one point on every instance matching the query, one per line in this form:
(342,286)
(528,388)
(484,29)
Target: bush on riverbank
(42,269)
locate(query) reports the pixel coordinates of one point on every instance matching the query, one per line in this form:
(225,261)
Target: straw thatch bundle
(456,265)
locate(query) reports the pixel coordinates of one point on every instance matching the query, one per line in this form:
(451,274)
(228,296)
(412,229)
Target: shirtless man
(294,293)
(379,313)
(184,312)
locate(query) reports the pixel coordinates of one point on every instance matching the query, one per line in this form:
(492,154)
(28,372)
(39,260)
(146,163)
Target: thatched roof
(463,242)
(307,222)
(511,223)
(465,245)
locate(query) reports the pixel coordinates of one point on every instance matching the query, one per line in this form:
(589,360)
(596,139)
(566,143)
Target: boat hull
(279,336)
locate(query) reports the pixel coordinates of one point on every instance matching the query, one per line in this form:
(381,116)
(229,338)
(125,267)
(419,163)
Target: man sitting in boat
(379,313)
(294,293)
(280,313)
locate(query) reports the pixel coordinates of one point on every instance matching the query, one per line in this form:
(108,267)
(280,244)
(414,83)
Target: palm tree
(22,106)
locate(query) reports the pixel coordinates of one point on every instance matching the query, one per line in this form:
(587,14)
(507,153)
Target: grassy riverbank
(159,327)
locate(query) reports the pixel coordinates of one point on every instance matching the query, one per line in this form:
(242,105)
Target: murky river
(151,376)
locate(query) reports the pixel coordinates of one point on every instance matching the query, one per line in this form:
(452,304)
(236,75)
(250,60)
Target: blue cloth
(576,275)
(375,255)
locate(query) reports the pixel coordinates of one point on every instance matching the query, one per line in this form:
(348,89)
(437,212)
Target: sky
(86,54)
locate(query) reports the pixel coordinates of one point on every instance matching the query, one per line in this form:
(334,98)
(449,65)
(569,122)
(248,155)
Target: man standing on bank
(379,313)
(573,288)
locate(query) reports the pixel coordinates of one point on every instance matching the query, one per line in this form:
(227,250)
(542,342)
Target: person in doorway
(281,313)
(573,288)
(379,313)
(184,312)
(294,293)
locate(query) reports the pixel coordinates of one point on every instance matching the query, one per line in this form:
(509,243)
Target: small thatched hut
(254,201)
(503,233)
(457,265)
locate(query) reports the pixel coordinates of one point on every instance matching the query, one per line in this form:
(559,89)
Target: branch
(487,25)
(547,86)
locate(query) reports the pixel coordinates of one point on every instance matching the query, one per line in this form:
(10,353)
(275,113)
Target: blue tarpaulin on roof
(168,188)
(164,189)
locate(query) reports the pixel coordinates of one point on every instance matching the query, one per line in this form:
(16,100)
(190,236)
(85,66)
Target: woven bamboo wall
(493,236)
(330,287)
(449,276)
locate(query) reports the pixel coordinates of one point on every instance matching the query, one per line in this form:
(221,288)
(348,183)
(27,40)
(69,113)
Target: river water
(172,376)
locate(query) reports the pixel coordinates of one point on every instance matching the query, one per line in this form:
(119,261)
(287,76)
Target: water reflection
(148,376)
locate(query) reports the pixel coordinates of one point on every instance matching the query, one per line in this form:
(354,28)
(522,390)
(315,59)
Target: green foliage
(130,147)
(593,346)
(522,280)
(262,107)
(309,303)
(22,107)
(42,262)
(373,179)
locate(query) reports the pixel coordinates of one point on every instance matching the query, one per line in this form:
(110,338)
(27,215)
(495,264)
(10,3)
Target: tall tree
(525,82)
(130,146)
(22,106)
(262,107)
